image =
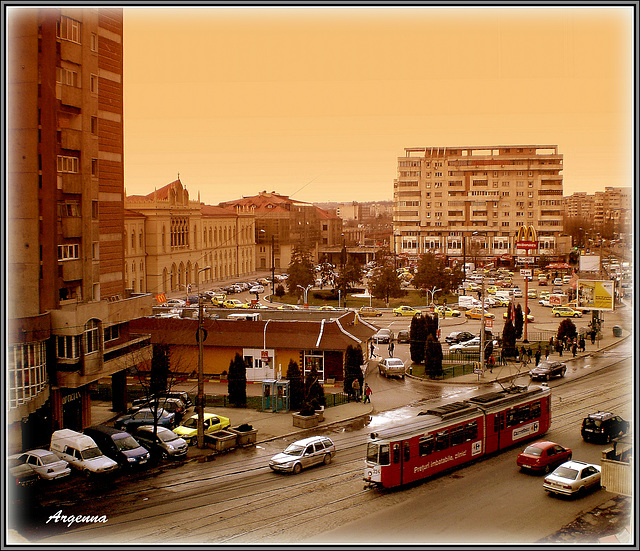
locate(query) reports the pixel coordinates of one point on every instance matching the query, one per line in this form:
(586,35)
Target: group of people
(364,396)
(390,349)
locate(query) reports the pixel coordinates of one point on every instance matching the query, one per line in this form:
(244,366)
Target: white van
(252,316)
(81,452)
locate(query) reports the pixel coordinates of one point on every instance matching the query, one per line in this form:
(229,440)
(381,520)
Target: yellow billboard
(595,294)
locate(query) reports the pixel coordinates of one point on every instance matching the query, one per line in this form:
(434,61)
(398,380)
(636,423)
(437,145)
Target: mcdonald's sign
(527,238)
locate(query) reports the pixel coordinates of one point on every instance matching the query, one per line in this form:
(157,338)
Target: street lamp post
(432,292)
(305,290)
(200,405)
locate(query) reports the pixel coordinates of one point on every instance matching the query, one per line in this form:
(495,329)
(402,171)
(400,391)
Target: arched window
(92,336)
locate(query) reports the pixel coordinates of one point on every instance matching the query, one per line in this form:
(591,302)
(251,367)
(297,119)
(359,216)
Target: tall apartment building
(68,312)
(609,211)
(446,196)
(170,239)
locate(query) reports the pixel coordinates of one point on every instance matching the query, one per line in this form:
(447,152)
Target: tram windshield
(378,453)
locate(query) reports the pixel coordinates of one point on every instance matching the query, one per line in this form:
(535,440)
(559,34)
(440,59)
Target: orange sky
(318,103)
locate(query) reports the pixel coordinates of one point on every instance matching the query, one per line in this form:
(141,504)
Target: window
(93,84)
(94,210)
(68,252)
(68,347)
(94,167)
(94,42)
(67,164)
(96,250)
(140,239)
(27,375)
(92,337)
(442,440)
(68,29)
(425,445)
(112,333)
(94,125)
(66,76)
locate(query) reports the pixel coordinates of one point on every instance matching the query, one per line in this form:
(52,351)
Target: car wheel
(327,459)
(563,372)
(164,455)
(546,377)
(297,468)
(547,469)
(570,456)
(581,491)
(557,315)
(576,316)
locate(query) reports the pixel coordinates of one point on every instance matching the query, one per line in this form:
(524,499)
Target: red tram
(456,433)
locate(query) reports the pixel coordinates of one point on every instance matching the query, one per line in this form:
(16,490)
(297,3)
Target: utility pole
(201,337)
(273,270)
(482,331)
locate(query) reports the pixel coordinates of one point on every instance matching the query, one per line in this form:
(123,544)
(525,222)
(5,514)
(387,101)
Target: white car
(573,477)
(257,290)
(517,293)
(391,367)
(46,463)
(173,302)
(472,345)
(304,453)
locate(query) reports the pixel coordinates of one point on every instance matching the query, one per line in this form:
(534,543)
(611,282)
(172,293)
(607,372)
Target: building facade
(282,223)
(171,240)
(450,199)
(607,211)
(68,311)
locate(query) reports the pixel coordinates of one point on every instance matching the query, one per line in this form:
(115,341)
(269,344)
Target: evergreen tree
(509,339)
(296,385)
(301,270)
(518,322)
(433,272)
(385,283)
(314,391)
(432,325)
(433,356)
(353,359)
(350,274)
(418,332)
(567,329)
(237,381)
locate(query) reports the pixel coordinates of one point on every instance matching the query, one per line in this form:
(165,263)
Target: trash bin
(617,331)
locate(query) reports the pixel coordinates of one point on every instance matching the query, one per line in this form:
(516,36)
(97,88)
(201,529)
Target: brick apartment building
(68,312)
(449,200)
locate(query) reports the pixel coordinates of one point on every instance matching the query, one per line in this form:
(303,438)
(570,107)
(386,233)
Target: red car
(543,457)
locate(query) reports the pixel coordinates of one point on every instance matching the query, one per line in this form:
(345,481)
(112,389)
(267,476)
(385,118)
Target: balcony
(71,227)
(71,139)
(71,96)
(71,183)
(71,51)
(71,270)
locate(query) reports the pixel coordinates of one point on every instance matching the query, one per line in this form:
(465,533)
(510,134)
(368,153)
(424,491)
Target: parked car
(566,312)
(391,367)
(517,292)
(543,457)
(447,311)
(573,477)
(304,453)
(145,416)
(530,317)
(532,293)
(174,302)
(45,463)
(602,426)
(472,345)
(369,312)
(557,281)
(383,336)
(81,452)
(188,430)
(257,290)
(547,369)
(119,445)
(406,311)
(180,395)
(566,279)
(459,336)
(476,314)
(172,405)
(403,336)
(22,474)
(167,444)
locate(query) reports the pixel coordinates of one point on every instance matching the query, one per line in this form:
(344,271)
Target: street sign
(526,272)
(527,245)
(264,355)
(488,323)
(526,259)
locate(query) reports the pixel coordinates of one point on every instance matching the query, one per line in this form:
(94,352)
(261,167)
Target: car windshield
(565,472)
(533,450)
(126,443)
(167,436)
(91,453)
(294,449)
(49,459)
(191,423)
(394,362)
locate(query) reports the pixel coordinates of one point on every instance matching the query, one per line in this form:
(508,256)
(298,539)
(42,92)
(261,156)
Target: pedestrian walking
(529,353)
(582,344)
(373,350)
(523,352)
(492,362)
(560,347)
(593,337)
(367,393)
(574,349)
(356,389)
(391,347)
(538,356)
(546,352)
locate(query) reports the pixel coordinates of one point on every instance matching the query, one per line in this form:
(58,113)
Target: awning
(559,265)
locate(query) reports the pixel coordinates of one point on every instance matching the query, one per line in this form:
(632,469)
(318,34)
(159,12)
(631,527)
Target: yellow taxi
(446,311)
(476,314)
